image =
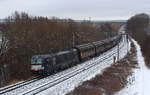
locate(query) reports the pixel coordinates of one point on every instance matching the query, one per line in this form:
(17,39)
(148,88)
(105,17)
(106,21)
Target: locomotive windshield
(36,60)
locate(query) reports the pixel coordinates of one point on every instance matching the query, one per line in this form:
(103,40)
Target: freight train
(51,63)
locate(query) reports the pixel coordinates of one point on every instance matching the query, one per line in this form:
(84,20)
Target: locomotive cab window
(36,60)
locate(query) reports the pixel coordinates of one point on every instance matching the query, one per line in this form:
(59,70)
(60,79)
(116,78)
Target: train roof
(84,45)
(54,54)
(44,55)
(98,42)
(101,42)
(64,52)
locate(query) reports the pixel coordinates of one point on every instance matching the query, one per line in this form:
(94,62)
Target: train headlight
(37,67)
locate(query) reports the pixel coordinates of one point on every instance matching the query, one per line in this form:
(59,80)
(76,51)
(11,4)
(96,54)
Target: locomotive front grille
(37,67)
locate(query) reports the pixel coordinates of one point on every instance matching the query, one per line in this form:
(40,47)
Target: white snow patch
(139,82)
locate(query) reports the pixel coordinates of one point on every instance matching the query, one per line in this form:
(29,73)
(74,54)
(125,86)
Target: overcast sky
(76,9)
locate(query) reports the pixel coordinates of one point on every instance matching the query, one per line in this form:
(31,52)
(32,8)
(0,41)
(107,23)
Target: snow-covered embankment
(139,82)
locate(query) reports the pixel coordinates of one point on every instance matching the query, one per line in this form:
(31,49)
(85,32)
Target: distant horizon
(95,20)
(83,18)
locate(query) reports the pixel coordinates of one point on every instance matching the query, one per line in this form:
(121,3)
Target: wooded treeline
(138,27)
(24,36)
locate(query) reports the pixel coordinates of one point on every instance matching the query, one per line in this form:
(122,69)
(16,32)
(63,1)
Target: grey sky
(76,9)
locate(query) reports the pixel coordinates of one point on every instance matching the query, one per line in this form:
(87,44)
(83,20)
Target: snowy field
(139,82)
(69,84)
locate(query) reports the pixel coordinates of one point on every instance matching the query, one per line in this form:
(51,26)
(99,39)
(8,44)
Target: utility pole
(89,18)
(73,39)
(127,37)
(118,51)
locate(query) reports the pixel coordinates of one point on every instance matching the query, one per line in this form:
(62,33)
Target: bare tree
(3,44)
(3,50)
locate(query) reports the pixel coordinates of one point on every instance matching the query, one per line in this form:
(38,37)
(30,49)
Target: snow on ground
(69,84)
(139,82)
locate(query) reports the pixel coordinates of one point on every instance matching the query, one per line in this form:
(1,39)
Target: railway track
(35,86)
(17,85)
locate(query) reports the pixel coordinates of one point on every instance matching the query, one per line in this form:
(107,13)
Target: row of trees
(138,27)
(25,36)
